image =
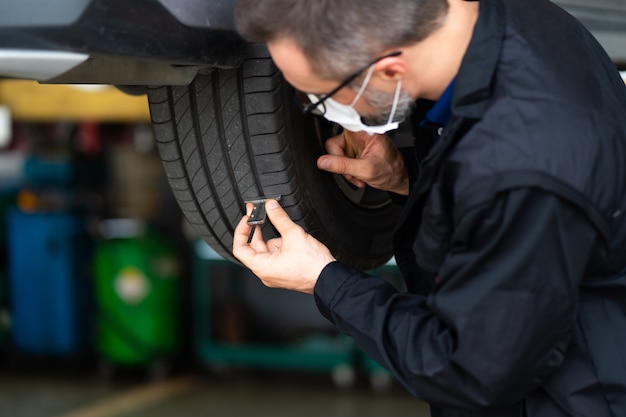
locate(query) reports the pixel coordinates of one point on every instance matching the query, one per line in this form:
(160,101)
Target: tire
(237,134)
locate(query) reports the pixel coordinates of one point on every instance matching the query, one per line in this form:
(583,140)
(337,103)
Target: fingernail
(324,163)
(272,204)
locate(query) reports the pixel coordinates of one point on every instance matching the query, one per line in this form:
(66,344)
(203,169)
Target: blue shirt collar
(441,112)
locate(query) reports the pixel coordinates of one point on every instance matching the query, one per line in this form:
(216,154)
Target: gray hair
(340,36)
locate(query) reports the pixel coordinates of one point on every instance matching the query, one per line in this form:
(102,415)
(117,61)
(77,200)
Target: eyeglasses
(318,108)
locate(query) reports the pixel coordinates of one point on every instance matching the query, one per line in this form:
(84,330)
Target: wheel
(237,134)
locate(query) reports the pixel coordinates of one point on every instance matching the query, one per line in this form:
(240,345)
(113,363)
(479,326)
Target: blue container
(48,286)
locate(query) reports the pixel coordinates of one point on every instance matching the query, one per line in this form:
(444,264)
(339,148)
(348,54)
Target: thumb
(278,217)
(336,164)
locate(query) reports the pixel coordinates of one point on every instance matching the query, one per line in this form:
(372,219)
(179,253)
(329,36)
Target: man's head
(339,36)
(318,44)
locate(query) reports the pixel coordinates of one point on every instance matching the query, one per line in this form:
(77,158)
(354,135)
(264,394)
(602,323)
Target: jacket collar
(475,78)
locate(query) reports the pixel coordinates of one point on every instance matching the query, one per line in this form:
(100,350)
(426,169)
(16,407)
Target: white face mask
(349,118)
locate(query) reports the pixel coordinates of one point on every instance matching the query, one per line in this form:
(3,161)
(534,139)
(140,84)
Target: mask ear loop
(396,99)
(364,84)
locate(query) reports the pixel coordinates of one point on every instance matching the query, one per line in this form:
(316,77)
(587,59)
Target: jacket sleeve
(500,317)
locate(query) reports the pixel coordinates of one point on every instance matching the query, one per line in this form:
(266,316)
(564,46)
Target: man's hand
(366,159)
(293,261)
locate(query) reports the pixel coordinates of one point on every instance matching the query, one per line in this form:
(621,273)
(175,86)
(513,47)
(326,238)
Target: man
(512,242)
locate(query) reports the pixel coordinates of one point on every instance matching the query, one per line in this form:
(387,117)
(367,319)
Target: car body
(122,43)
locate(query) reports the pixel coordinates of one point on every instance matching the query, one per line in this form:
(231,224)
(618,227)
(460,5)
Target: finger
(336,145)
(348,144)
(353,147)
(279,217)
(249,207)
(241,249)
(354,181)
(341,165)
(357,183)
(257,243)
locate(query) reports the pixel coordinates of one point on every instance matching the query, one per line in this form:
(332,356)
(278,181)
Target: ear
(391,68)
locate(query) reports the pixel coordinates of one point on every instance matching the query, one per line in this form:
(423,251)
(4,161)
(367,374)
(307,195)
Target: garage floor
(53,395)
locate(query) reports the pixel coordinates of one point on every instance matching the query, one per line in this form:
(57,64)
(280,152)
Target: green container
(138,293)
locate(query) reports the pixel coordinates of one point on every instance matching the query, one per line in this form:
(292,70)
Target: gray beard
(382,102)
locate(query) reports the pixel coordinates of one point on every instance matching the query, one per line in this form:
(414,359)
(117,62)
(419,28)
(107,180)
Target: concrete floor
(53,394)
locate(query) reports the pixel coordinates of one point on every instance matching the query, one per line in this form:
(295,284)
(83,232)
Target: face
(375,105)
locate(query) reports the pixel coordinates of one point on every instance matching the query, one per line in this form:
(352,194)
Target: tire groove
(203,155)
(197,205)
(245,131)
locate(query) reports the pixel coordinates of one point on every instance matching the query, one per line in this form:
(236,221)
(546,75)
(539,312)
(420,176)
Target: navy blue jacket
(512,242)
